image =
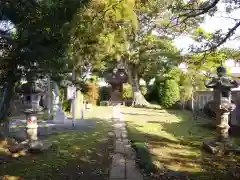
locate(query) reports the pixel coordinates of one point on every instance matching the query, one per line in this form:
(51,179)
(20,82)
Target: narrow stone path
(123,162)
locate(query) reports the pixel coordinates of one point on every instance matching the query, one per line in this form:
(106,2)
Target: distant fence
(201,98)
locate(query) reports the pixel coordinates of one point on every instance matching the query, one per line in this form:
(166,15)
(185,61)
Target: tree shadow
(182,158)
(73,155)
(140,114)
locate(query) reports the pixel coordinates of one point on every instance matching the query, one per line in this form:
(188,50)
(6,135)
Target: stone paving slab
(119,147)
(118,133)
(118,167)
(123,162)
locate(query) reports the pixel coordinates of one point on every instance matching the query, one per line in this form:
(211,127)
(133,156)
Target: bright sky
(211,24)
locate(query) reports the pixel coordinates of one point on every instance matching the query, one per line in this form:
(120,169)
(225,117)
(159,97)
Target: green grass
(96,112)
(71,155)
(173,142)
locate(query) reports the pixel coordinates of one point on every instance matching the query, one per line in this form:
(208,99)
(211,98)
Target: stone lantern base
(220,147)
(34,145)
(39,146)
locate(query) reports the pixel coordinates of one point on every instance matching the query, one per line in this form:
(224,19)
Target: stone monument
(59,116)
(222,85)
(56,97)
(116,79)
(32,94)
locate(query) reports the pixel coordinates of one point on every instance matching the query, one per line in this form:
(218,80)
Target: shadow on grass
(74,155)
(142,114)
(181,159)
(153,107)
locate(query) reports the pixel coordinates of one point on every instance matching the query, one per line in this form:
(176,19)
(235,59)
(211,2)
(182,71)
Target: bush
(67,105)
(144,159)
(127,92)
(171,94)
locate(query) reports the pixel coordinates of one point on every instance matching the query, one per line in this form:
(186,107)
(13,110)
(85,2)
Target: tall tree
(39,40)
(123,31)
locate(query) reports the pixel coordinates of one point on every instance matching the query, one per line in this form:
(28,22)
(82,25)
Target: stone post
(32,128)
(223,127)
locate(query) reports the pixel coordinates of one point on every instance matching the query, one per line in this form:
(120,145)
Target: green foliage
(96,29)
(155,91)
(174,73)
(67,105)
(127,92)
(171,93)
(144,158)
(200,34)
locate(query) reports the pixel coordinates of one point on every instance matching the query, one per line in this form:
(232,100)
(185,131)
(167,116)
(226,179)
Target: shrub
(171,94)
(144,158)
(127,92)
(67,105)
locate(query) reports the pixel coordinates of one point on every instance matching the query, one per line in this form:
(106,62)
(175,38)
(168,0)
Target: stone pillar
(223,127)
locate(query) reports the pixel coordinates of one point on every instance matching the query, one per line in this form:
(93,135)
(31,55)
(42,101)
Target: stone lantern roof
(30,87)
(119,76)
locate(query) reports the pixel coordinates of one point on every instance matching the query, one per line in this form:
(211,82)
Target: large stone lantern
(222,85)
(116,79)
(31,108)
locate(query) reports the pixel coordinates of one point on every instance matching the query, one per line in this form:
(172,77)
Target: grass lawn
(168,145)
(96,112)
(75,155)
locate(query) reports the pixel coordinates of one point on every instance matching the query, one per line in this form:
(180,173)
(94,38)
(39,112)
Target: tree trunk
(5,104)
(138,98)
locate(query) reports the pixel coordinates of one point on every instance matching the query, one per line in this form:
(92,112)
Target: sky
(221,21)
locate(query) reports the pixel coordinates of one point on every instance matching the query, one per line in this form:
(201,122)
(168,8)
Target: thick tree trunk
(4,106)
(139,99)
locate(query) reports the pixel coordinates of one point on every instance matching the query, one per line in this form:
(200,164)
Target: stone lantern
(116,79)
(31,108)
(222,85)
